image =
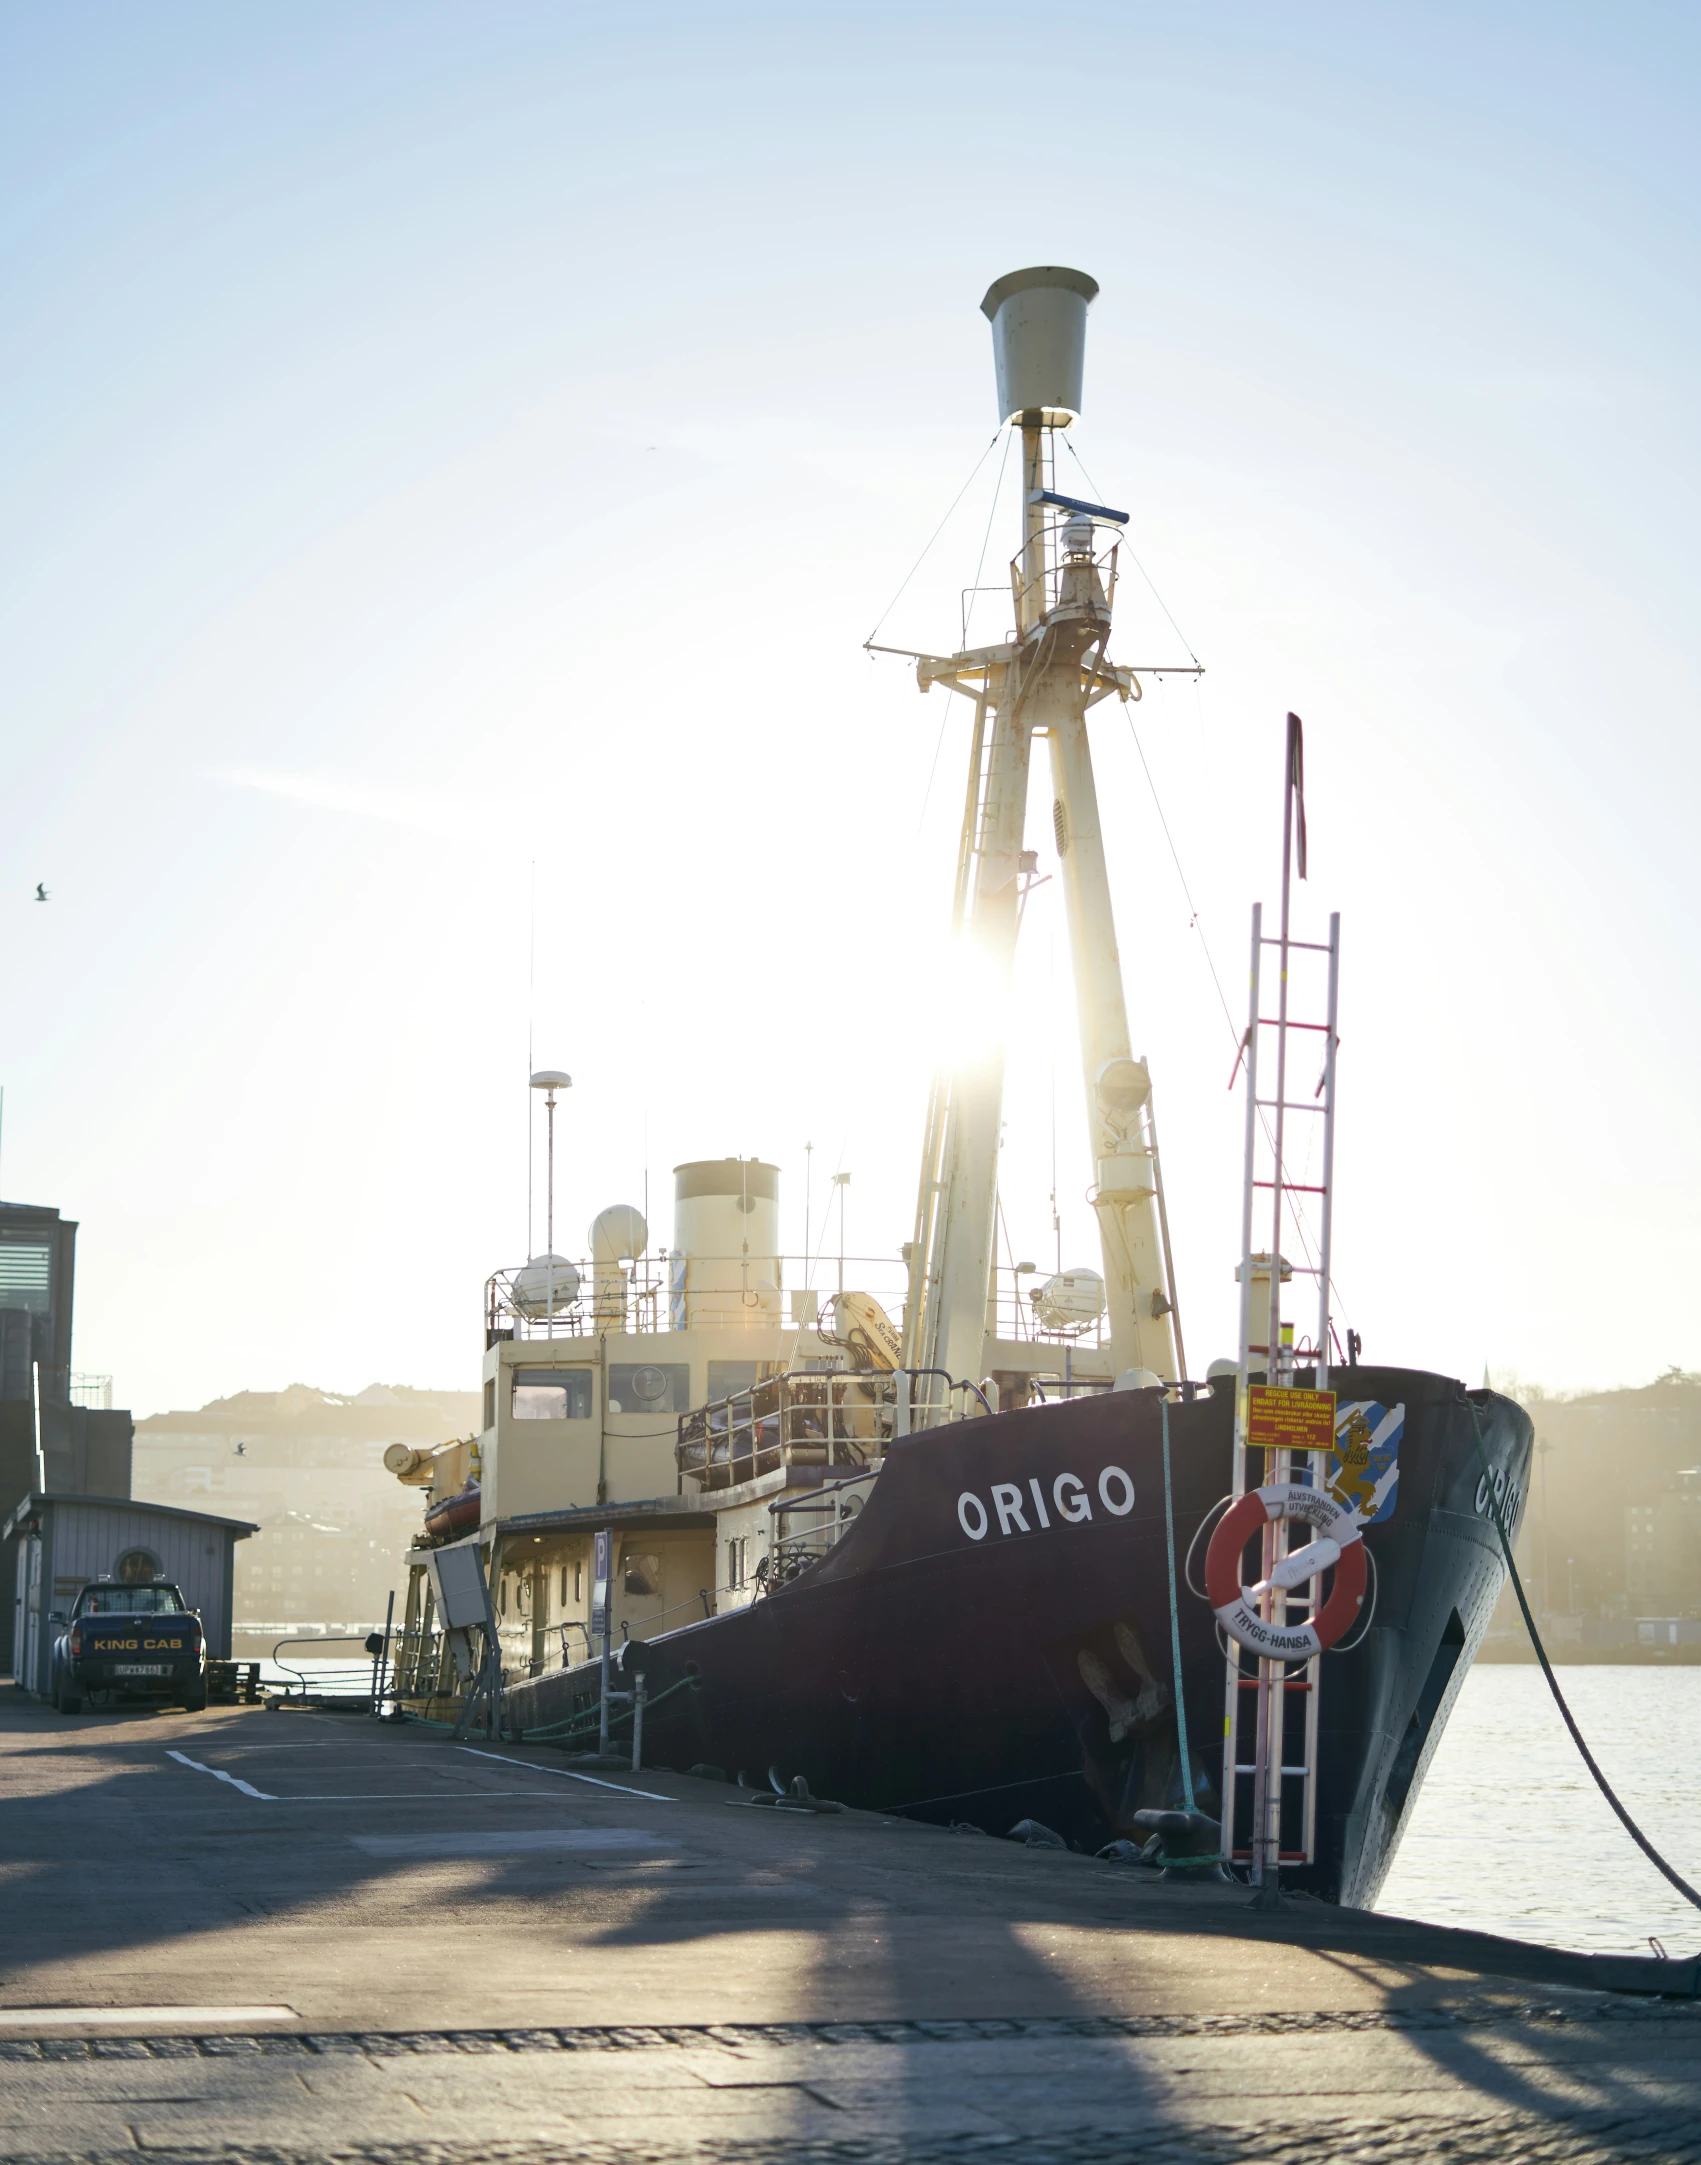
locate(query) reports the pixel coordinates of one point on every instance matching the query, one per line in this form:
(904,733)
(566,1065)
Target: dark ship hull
(920,1670)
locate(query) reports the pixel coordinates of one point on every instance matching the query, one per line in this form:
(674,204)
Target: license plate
(138,1668)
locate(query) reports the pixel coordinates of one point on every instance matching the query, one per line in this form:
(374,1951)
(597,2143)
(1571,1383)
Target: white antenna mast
(550,1080)
(531,1026)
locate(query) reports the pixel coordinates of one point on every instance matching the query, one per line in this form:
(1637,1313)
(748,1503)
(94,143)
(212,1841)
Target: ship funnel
(726,1230)
(1039,339)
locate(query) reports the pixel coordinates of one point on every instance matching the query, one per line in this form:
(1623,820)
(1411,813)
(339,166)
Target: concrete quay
(304,1937)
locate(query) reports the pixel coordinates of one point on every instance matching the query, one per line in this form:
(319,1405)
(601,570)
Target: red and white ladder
(1269,1790)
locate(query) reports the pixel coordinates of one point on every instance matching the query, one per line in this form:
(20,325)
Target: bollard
(639,1694)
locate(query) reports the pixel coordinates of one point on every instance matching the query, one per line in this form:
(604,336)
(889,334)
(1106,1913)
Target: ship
(946,1537)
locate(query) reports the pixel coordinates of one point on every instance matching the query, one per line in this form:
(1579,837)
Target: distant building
(64,1541)
(1662,1550)
(1613,1529)
(1612,1532)
(83,1443)
(307,1466)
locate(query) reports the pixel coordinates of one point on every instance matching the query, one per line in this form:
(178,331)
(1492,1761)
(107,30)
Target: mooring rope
(1175,1618)
(592,1716)
(1605,1787)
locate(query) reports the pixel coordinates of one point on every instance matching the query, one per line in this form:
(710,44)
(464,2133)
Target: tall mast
(1040,683)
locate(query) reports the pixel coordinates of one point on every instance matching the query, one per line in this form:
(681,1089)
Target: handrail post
(381,1660)
(603,1554)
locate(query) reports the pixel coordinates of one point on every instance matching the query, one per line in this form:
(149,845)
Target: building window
(136,1567)
(552,1394)
(490,1401)
(26,1275)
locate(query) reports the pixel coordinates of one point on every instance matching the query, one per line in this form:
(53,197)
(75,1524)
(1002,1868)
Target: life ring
(1336,1542)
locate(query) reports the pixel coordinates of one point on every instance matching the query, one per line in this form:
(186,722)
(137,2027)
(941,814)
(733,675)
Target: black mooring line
(1606,1789)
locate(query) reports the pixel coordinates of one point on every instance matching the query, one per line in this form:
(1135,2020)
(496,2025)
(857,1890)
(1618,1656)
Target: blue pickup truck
(129,1641)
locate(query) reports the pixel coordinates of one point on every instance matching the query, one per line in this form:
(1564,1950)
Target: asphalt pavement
(313,1936)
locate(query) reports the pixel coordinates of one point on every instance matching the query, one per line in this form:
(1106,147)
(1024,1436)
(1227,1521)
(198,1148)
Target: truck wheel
(70,1702)
(195,1702)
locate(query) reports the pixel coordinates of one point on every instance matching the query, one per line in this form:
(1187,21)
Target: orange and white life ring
(1336,1542)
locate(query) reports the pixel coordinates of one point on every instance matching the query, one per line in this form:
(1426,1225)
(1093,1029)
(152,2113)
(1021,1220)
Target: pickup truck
(130,1642)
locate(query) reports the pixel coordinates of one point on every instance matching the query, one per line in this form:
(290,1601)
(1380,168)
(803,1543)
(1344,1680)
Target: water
(1509,1833)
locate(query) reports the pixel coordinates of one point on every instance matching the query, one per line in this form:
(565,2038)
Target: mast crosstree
(1040,683)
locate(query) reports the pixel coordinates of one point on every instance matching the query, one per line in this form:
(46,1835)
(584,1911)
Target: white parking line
(219,1775)
(404,1796)
(111,2018)
(566,1773)
(365,1796)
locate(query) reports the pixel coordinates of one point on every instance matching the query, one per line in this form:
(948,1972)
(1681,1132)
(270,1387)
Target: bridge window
(728,1377)
(649,1387)
(546,1394)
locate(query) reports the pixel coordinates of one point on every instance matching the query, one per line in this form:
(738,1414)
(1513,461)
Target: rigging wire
(1193,923)
(1296,1204)
(934,536)
(945,718)
(819,1248)
(986,538)
(1051,1004)
(938,747)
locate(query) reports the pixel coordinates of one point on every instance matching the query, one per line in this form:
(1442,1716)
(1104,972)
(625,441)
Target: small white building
(64,1541)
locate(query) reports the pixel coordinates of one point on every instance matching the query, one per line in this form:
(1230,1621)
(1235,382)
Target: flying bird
(41,893)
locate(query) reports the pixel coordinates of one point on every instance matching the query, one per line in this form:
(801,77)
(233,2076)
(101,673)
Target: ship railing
(656,1293)
(1035,598)
(811,1417)
(806,1527)
(662,1291)
(1051,1390)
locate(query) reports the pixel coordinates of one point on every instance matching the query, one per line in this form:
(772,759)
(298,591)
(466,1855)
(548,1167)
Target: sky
(453,459)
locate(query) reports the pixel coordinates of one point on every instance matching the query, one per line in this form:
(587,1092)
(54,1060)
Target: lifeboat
(454,1516)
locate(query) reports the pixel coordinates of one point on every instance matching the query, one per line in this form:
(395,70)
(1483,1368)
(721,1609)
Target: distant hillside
(392,1411)
(307,1466)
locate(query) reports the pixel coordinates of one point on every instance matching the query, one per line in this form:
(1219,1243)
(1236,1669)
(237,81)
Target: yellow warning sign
(1291,1420)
